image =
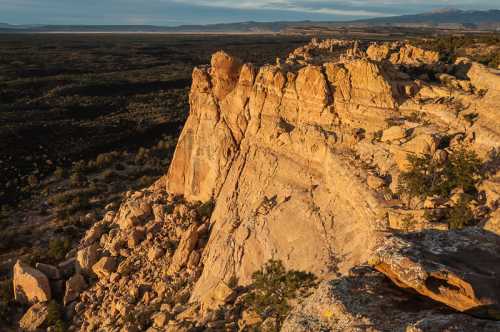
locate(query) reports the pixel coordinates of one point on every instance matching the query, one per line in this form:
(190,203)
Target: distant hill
(449,18)
(443,18)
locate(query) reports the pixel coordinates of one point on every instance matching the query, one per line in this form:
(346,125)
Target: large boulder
(30,285)
(35,317)
(366,301)
(457,268)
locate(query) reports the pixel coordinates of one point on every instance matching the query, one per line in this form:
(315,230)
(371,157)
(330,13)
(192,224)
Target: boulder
(104,267)
(375,182)
(86,258)
(35,317)
(217,297)
(50,271)
(94,233)
(74,286)
(67,267)
(393,133)
(154,253)
(184,249)
(30,285)
(133,213)
(457,268)
(136,237)
(366,301)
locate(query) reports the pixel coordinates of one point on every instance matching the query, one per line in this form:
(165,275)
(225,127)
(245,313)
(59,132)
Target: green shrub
(273,287)
(428,178)
(206,209)
(58,248)
(460,215)
(55,316)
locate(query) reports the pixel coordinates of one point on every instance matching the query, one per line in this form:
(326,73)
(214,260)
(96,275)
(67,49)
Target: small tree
(273,287)
(426,177)
(460,215)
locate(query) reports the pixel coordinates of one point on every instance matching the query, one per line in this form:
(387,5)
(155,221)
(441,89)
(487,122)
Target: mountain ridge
(466,19)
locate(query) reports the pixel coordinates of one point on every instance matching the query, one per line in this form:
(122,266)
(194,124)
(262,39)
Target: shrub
(428,178)
(32,180)
(460,215)
(80,167)
(58,248)
(104,159)
(77,179)
(59,173)
(206,209)
(109,175)
(55,317)
(272,287)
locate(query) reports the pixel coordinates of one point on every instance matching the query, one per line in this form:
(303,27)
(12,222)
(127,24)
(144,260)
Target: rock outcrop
(278,150)
(301,162)
(366,301)
(453,267)
(30,285)
(35,317)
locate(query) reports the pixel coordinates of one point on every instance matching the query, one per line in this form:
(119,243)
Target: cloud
(311,7)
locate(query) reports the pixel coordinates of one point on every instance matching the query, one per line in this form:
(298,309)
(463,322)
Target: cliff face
(302,163)
(289,154)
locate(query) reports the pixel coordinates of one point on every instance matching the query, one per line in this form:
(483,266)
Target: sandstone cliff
(301,162)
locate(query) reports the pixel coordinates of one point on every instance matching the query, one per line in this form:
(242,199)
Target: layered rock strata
(301,163)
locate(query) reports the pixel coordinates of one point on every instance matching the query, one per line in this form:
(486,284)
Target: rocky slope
(302,162)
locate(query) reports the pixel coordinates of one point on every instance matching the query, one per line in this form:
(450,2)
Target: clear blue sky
(176,12)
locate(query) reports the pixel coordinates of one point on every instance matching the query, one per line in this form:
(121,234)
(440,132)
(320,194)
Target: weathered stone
(393,133)
(375,182)
(444,266)
(217,296)
(67,267)
(186,246)
(94,234)
(35,317)
(104,267)
(154,253)
(136,237)
(30,285)
(86,258)
(194,259)
(74,286)
(50,271)
(133,213)
(366,300)
(160,319)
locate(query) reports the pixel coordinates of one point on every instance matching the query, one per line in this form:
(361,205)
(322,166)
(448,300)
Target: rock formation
(301,162)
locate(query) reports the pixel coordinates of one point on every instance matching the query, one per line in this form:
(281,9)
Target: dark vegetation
(459,174)
(69,97)
(273,289)
(482,48)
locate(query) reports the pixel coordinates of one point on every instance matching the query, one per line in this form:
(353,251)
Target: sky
(179,12)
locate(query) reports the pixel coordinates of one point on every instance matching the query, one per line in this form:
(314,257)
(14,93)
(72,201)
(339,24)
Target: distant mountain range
(449,18)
